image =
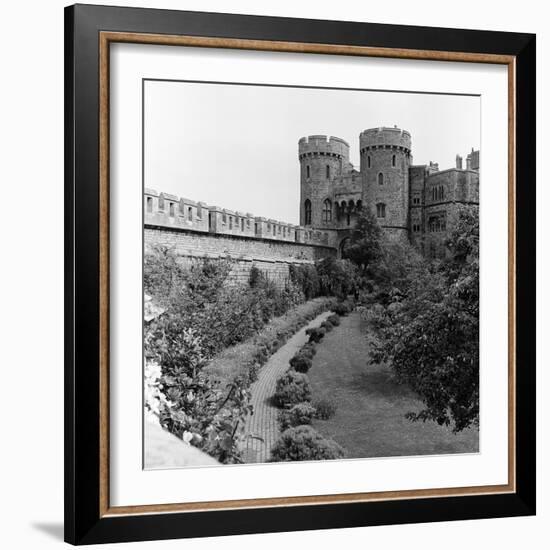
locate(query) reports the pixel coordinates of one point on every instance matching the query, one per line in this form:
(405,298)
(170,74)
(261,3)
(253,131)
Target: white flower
(187,437)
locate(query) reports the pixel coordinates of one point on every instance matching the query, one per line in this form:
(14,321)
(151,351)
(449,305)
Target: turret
(322,158)
(385,161)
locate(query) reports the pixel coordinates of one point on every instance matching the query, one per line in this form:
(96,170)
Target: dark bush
(299,415)
(334,319)
(309,350)
(342,308)
(304,443)
(316,334)
(324,408)
(327,326)
(292,388)
(300,362)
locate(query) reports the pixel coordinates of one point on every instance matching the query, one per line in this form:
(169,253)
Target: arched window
(327,211)
(359,205)
(328,171)
(199,211)
(190,214)
(149,204)
(307,211)
(368,161)
(242,224)
(442,193)
(393,160)
(380,210)
(380,179)
(308,171)
(172,210)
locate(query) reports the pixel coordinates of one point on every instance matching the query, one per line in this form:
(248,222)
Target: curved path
(263,422)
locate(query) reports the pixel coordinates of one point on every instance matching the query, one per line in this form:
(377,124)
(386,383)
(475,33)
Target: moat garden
(372,356)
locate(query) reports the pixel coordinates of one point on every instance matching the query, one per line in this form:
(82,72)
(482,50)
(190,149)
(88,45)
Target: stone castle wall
(190,231)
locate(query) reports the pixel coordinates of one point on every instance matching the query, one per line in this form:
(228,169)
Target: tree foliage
(365,249)
(429,332)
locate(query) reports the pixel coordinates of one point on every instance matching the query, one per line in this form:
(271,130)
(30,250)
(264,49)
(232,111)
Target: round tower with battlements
(322,158)
(385,161)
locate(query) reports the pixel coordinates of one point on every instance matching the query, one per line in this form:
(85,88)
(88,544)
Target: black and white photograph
(310,273)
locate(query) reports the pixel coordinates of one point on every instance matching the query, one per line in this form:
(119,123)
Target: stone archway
(344,244)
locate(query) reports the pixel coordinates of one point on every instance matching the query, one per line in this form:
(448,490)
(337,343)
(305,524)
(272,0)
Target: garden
(391,370)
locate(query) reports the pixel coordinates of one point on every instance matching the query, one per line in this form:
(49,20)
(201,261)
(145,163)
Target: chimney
(459,162)
(468,162)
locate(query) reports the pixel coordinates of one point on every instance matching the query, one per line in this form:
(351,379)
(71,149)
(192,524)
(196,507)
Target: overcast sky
(236,146)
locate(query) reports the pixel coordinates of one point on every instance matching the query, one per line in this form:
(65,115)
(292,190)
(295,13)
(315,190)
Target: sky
(236,146)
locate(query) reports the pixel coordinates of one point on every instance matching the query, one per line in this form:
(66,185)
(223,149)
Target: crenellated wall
(196,231)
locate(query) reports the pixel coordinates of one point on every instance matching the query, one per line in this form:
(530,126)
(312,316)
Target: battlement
(166,210)
(323,145)
(383,138)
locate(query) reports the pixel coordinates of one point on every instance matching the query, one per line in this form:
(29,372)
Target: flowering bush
(292,388)
(155,400)
(304,443)
(195,408)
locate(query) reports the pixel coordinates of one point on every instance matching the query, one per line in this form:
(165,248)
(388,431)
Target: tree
(430,337)
(365,249)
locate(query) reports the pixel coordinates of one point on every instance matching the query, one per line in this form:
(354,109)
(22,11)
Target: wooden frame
(88,517)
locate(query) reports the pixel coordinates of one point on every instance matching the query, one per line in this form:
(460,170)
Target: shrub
(304,443)
(327,326)
(300,414)
(300,362)
(193,406)
(309,350)
(334,319)
(342,308)
(316,334)
(324,408)
(292,388)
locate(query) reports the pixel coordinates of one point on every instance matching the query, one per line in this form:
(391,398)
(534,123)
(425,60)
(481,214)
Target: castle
(415,203)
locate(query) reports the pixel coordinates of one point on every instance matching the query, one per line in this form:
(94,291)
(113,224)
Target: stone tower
(385,161)
(321,160)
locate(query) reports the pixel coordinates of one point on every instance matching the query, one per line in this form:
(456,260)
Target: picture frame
(89,33)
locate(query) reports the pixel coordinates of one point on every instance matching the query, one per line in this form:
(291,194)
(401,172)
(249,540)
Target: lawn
(370,418)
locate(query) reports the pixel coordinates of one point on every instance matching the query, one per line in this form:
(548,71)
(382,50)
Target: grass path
(369,420)
(263,422)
